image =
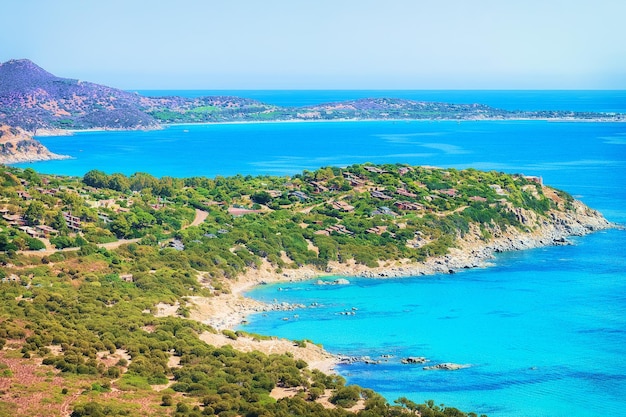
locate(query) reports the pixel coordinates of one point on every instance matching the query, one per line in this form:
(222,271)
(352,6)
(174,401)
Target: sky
(323,44)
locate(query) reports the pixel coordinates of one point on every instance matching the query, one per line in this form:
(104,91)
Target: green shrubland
(73,309)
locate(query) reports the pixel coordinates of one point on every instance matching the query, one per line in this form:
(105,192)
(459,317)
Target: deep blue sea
(544,330)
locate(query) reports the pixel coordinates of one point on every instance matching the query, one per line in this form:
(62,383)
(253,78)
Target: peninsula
(42,103)
(119,294)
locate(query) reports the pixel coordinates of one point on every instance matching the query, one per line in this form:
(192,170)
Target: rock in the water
(445,367)
(414,360)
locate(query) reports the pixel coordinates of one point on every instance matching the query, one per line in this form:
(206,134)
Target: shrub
(229,334)
(35,244)
(346,397)
(166,400)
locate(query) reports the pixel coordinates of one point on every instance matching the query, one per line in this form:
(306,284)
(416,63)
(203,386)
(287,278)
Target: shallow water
(543,330)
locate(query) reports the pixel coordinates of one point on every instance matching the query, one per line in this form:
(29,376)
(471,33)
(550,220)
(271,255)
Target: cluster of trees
(242,242)
(43,200)
(165,186)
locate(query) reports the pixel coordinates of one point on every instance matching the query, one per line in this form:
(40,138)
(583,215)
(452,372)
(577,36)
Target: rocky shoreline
(17,146)
(471,252)
(228,311)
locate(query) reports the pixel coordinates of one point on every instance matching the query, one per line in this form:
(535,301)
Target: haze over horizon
(281,44)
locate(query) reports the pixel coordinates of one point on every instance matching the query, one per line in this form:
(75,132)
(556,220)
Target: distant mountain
(32,98)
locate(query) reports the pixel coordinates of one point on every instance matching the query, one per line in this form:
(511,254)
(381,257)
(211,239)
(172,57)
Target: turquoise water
(544,330)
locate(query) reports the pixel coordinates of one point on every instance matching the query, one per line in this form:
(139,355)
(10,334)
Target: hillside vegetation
(79,328)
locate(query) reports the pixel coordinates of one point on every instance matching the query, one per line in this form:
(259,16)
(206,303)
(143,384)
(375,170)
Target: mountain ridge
(32,98)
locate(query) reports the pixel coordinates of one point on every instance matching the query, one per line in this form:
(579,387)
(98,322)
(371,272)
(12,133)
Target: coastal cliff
(18,146)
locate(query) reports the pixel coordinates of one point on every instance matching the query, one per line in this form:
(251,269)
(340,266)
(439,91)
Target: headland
(228,311)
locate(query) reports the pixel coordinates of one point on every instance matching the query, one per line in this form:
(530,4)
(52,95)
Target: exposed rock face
(412,360)
(17,146)
(571,218)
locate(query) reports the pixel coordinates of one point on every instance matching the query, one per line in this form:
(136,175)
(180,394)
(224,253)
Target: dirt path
(307,210)
(117,243)
(50,249)
(201,216)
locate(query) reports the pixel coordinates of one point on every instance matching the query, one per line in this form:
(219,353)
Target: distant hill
(32,98)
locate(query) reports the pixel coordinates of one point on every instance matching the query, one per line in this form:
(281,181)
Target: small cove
(542,330)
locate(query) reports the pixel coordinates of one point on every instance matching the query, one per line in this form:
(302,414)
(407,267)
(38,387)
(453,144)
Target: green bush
(346,397)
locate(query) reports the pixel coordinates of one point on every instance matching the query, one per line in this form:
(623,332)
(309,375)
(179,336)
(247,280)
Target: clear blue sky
(323,44)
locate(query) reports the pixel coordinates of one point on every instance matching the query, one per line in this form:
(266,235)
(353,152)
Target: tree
(31,176)
(59,223)
(323,174)
(121,226)
(96,178)
(410,405)
(262,197)
(166,400)
(119,182)
(5,243)
(140,181)
(34,213)
(346,397)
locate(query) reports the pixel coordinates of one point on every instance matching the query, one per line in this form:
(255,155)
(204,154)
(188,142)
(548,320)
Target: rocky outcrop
(413,360)
(446,367)
(17,146)
(569,218)
(340,281)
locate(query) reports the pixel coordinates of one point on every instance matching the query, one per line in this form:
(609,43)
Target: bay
(544,330)
(586,159)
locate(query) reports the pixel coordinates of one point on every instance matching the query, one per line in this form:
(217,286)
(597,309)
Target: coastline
(227,311)
(17,146)
(474,119)
(22,158)
(160,126)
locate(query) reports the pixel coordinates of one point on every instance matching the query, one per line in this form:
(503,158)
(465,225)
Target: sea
(543,331)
